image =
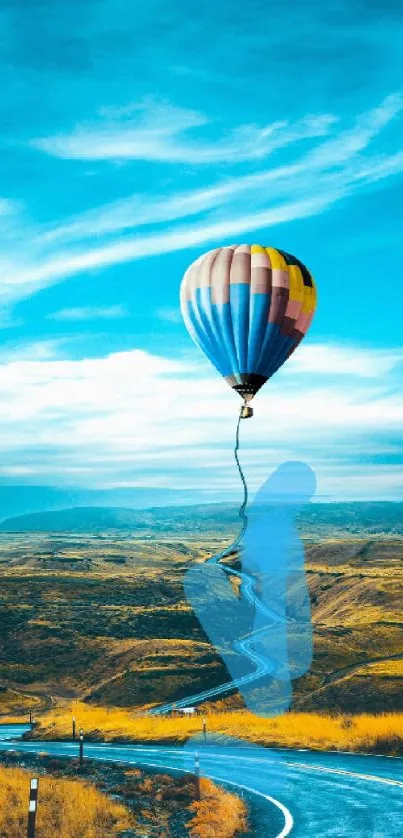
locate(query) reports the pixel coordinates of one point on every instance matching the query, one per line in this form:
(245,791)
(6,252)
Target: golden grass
(383,669)
(364,732)
(219,814)
(69,808)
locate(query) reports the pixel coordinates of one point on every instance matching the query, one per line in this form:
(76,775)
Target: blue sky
(136,136)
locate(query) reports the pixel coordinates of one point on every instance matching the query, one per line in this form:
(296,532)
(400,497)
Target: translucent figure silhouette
(257,613)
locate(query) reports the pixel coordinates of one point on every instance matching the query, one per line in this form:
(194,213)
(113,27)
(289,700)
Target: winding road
(339,674)
(297,793)
(263,666)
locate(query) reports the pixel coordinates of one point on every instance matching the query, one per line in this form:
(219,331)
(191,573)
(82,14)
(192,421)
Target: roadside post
(33,801)
(81,748)
(74,728)
(205,729)
(197,774)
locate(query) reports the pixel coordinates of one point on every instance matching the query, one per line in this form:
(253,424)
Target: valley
(102,618)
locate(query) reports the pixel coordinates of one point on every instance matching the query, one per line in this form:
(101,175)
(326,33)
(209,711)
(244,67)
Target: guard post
(81,748)
(197,775)
(33,802)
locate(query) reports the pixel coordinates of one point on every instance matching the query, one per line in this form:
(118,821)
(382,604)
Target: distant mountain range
(21,500)
(321,519)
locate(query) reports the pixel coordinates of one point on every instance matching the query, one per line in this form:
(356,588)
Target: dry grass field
(370,733)
(69,808)
(110,800)
(102,618)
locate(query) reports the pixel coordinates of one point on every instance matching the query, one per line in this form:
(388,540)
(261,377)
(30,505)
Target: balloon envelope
(247,307)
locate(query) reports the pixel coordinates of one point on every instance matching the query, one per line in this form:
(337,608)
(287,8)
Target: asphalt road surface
(297,793)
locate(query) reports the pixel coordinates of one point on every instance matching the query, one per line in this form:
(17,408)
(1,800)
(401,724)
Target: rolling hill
(316,519)
(21,499)
(102,615)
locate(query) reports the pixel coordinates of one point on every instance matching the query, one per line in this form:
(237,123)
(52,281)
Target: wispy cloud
(7,207)
(356,139)
(17,284)
(155,134)
(136,212)
(32,351)
(308,184)
(90,313)
(169,314)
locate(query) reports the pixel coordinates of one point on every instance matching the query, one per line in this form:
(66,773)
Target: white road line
(358,776)
(288,818)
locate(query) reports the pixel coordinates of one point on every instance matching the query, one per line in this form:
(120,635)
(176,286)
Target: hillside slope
(356,590)
(104,618)
(321,520)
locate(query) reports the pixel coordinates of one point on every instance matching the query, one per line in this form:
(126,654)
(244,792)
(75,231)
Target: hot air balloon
(247,307)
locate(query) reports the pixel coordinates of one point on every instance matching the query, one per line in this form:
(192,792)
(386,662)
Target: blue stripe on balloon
(280,356)
(197,320)
(282,349)
(258,317)
(275,351)
(239,301)
(204,308)
(220,332)
(224,332)
(192,321)
(267,348)
(196,329)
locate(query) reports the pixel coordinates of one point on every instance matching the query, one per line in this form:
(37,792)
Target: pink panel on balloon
(260,280)
(205,267)
(280,279)
(303,323)
(220,276)
(278,306)
(241,266)
(260,260)
(293,309)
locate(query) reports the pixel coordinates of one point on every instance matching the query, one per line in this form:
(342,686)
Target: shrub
(219,814)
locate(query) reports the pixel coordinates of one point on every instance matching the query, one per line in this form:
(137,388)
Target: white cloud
(169,314)
(368,125)
(8,320)
(31,278)
(41,350)
(7,207)
(156,135)
(232,207)
(338,162)
(90,313)
(139,211)
(135,417)
(346,360)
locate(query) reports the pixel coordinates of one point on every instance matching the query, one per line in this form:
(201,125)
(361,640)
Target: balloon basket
(246,411)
